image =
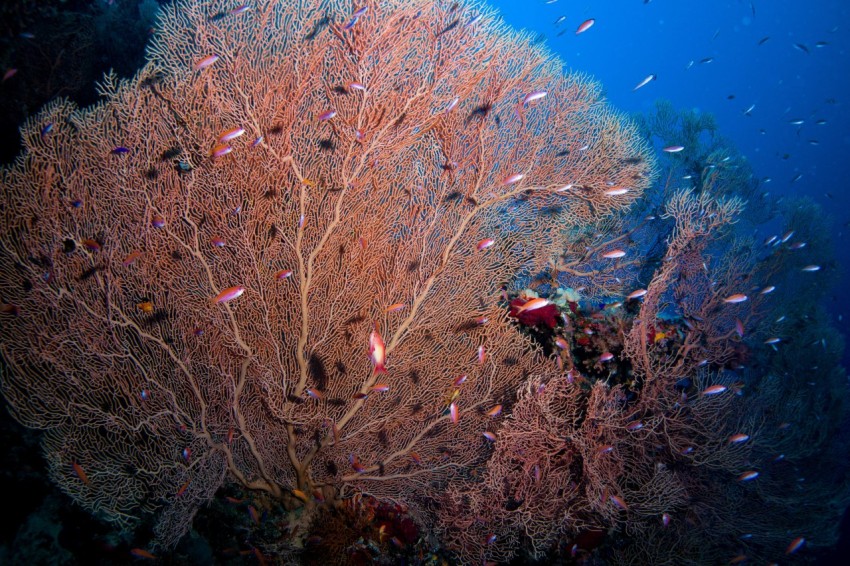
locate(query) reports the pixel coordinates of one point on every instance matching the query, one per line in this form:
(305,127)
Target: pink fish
(532,96)
(585,25)
(511,179)
(749,475)
(489,436)
(636,294)
(485,243)
(377,351)
(327,115)
(283,274)
(453,412)
(205,62)
(736,298)
(714,390)
(229,294)
(606,357)
(738,438)
(482,354)
(614,254)
(231,134)
(616,191)
(9,74)
(533,304)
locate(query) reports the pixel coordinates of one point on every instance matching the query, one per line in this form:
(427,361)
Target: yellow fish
(146,307)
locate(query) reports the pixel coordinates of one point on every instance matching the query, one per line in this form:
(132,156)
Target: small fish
(489,436)
(511,179)
(796,178)
(326,115)
(377,351)
(736,298)
(606,357)
(485,243)
(605,449)
(230,134)
(617,501)
(241,9)
(739,328)
(645,81)
(300,495)
(749,111)
(229,294)
(774,340)
(220,150)
(706,61)
(454,102)
(91,245)
(142,553)
(764,40)
(533,304)
(673,148)
(616,191)
(46,129)
(801,47)
(78,469)
(205,62)
(614,254)
(119,150)
(354,85)
(665,519)
(315,394)
(453,412)
(395,307)
(217,242)
(738,438)
(766,290)
(9,74)
(795,545)
(144,395)
(459,380)
(157,221)
(532,96)
(747,476)
(714,390)
(796,122)
(130,259)
(585,25)
(146,307)
(482,355)
(187,453)
(561,343)
(636,294)
(811,268)
(634,425)
(283,274)
(494,411)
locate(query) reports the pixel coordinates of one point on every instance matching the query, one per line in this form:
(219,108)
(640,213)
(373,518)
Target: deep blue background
(631,39)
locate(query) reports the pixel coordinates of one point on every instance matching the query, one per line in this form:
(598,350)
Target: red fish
(142,553)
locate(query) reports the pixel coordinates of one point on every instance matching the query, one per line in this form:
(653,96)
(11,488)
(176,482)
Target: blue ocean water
(787,60)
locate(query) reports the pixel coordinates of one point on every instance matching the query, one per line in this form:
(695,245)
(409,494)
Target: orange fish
(736,298)
(183,488)
(91,245)
(395,307)
(300,495)
(131,258)
(495,411)
(228,294)
(146,307)
(714,390)
(80,473)
(533,304)
(142,553)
